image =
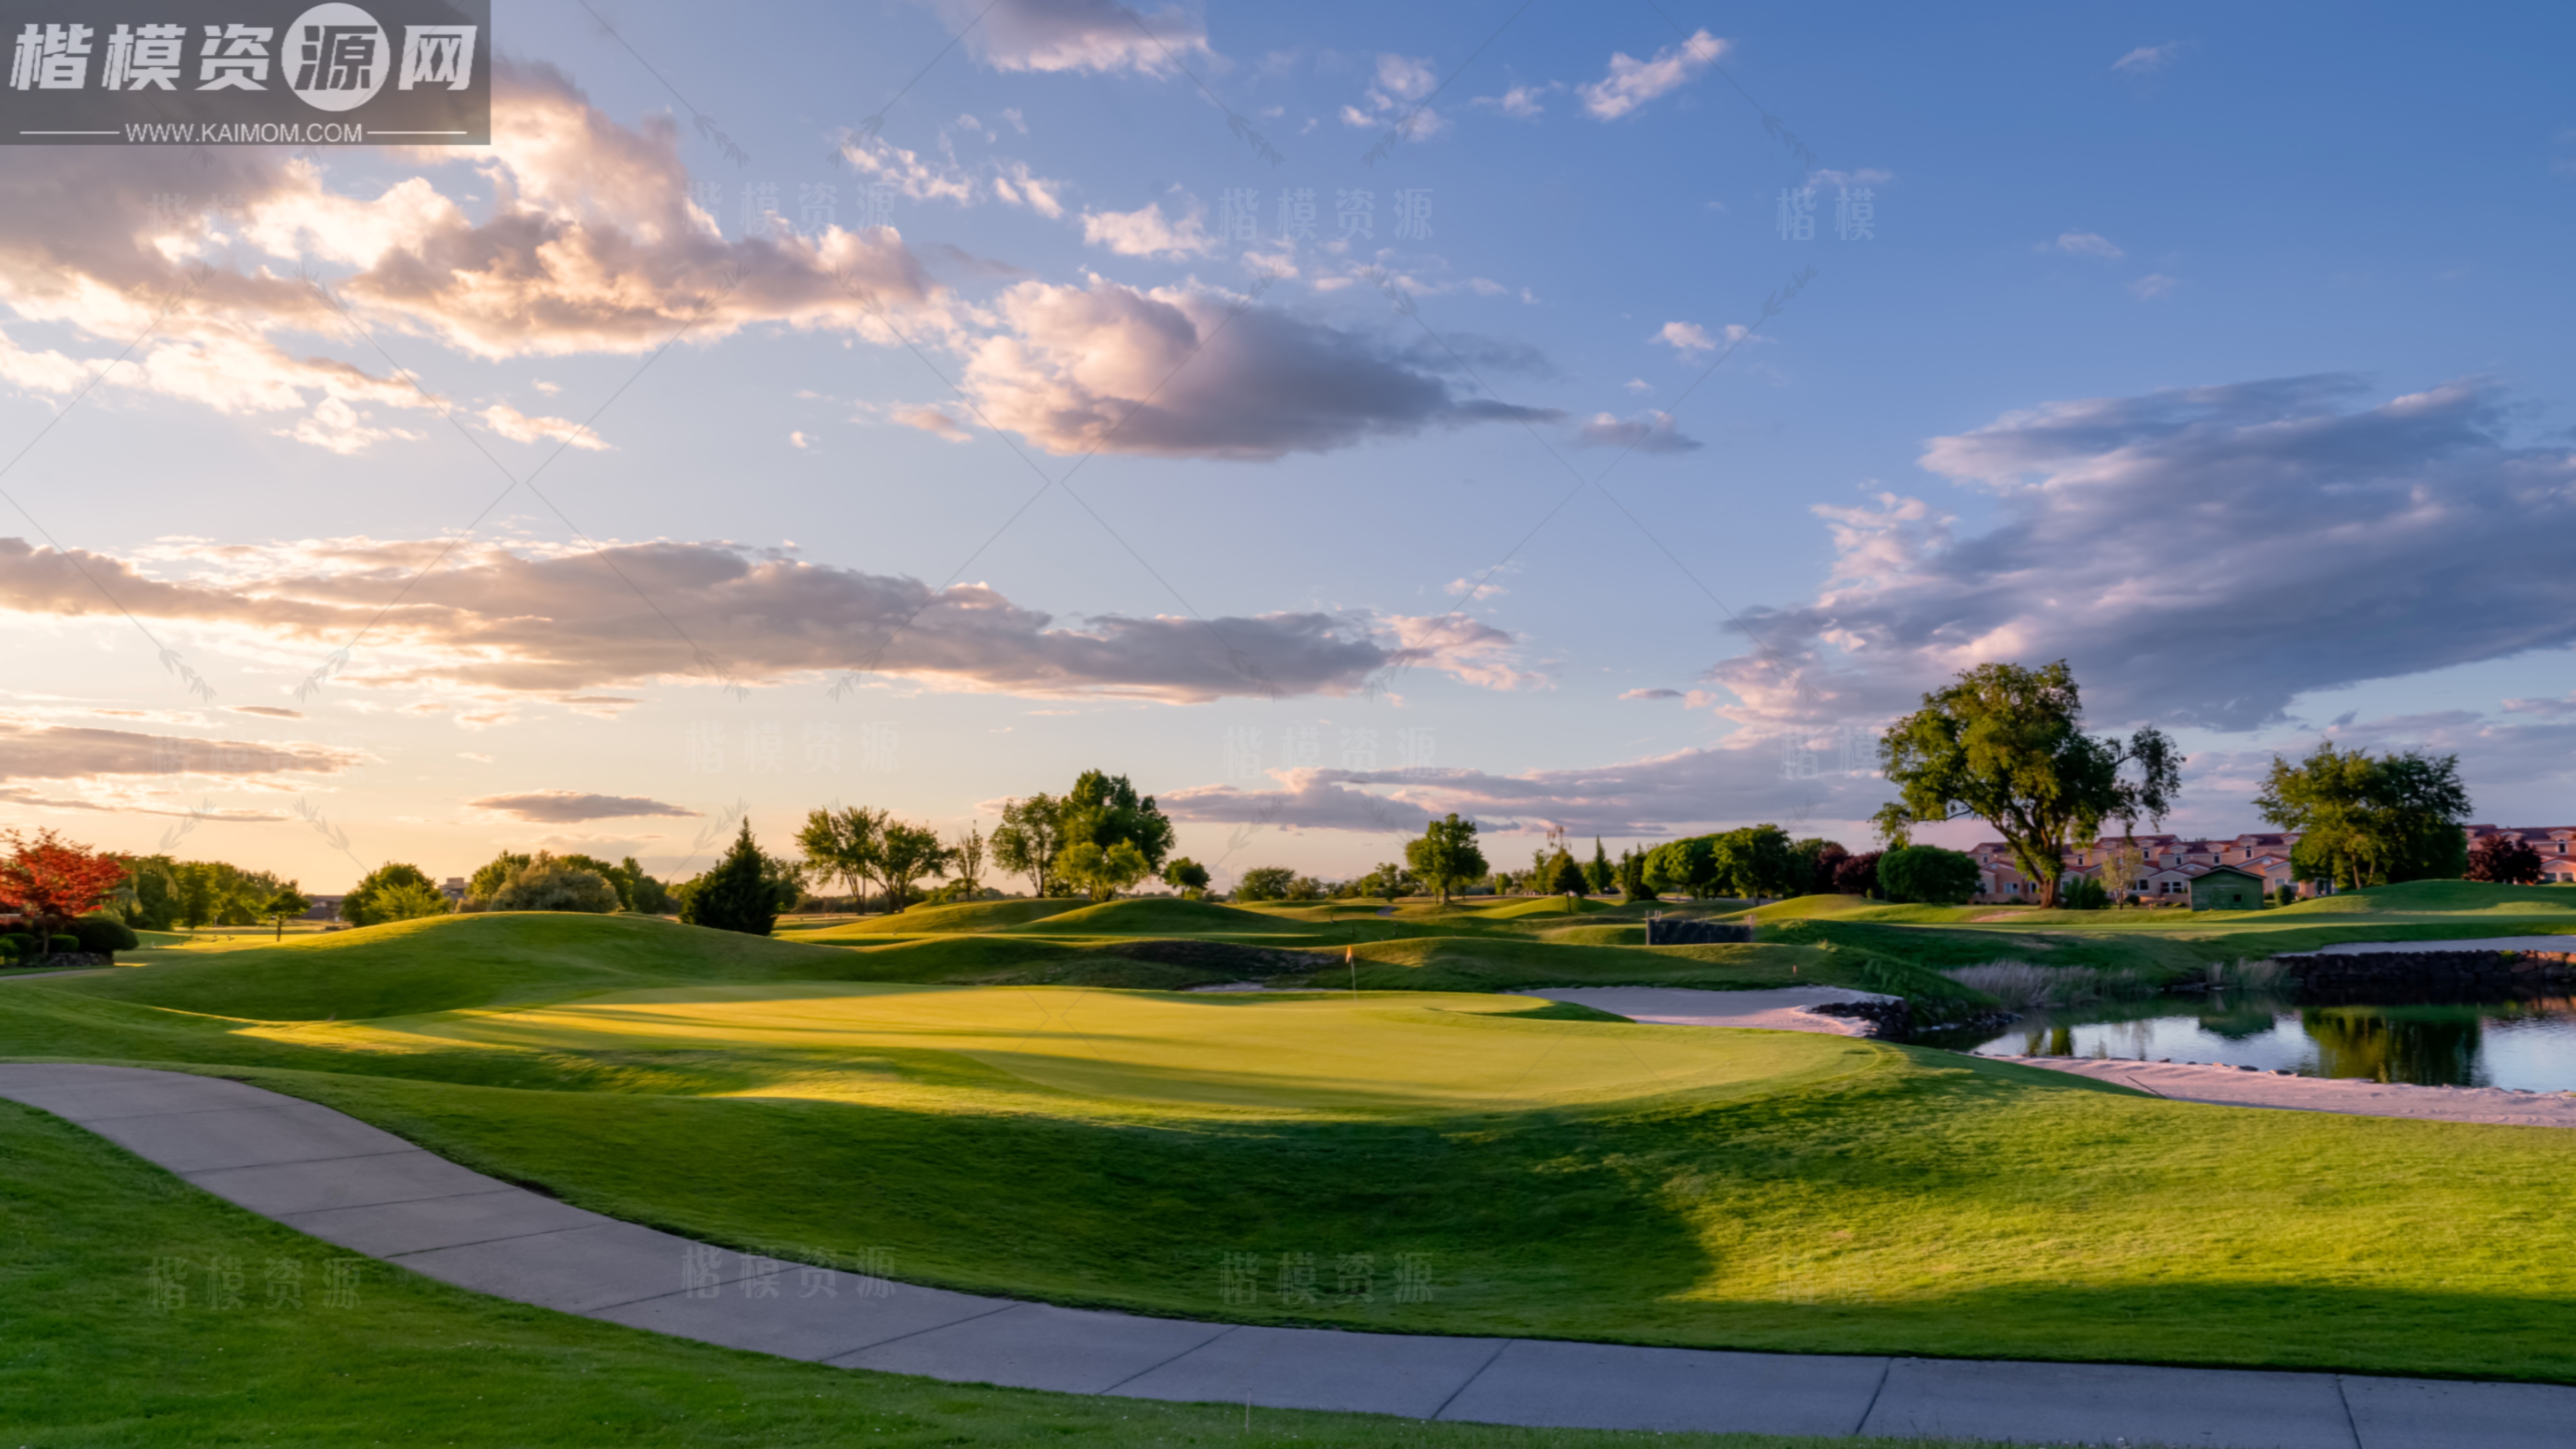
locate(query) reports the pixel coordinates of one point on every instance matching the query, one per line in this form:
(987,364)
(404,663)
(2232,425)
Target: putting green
(1369,1054)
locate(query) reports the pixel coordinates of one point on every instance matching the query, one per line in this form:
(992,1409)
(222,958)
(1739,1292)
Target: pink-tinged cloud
(535,625)
(569,807)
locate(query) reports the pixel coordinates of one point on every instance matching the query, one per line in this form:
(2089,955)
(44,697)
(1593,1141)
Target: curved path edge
(337,1179)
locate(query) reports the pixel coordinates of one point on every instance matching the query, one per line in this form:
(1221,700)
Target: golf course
(1018,1098)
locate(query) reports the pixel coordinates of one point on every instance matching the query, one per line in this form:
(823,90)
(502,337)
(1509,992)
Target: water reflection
(2528,1043)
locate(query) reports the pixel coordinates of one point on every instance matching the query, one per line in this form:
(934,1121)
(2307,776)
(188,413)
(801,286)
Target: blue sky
(2220,353)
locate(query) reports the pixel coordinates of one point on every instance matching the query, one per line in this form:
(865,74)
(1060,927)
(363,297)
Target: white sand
(2226,1086)
(1780,1010)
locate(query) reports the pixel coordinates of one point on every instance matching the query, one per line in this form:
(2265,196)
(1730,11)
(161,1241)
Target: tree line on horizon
(2002,743)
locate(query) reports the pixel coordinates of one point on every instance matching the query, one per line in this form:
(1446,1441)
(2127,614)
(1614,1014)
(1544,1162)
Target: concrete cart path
(347,1183)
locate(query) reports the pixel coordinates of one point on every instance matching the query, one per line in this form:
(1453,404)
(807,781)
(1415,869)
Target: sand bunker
(1780,1010)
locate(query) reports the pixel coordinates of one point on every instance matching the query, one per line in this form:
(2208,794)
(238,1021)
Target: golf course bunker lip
(1779,1009)
(2219,1085)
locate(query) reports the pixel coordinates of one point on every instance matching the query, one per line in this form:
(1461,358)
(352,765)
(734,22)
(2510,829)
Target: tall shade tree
(1757,862)
(1103,872)
(149,897)
(1031,837)
(2365,819)
(2006,745)
(1104,809)
(1632,876)
(52,881)
(966,854)
(906,853)
(1565,878)
(1687,866)
(1447,857)
(495,873)
(842,845)
(1263,883)
(1186,876)
(365,904)
(285,906)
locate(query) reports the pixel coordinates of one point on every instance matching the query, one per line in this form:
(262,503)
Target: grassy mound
(1546,906)
(2446,897)
(963,918)
(1799,908)
(443,962)
(1156,917)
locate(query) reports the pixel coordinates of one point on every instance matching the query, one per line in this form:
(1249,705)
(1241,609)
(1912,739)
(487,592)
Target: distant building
(2555,843)
(2167,866)
(2227,888)
(453,888)
(324,908)
(2172,864)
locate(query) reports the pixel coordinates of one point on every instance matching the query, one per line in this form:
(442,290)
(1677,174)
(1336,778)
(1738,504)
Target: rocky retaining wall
(2435,973)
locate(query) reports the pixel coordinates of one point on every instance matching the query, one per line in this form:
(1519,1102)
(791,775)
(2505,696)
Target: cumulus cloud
(543,625)
(336,427)
(1401,84)
(1146,232)
(2153,285)
(1631,83)
(1074,35)
(1691,342)
(2088,244)
(567,807)
(590,243)
(2202,556)
(2148,59)
(518,427)
(1180,372)
(1520,102)
(1647,433)
(933,420)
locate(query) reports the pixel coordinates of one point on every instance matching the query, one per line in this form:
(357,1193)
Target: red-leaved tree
(2505,862)
(49,879)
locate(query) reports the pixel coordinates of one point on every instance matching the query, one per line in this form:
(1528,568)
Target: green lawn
(1563,1175)
(96,1358)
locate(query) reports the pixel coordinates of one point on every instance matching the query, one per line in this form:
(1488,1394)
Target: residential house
(2169,864)
(2556,845)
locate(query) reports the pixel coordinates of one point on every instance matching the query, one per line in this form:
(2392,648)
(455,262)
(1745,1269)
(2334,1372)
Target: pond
(2528,1043)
